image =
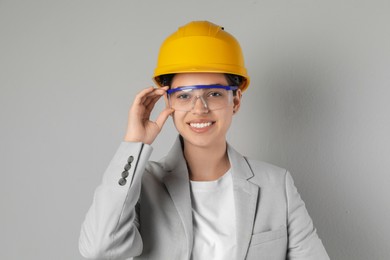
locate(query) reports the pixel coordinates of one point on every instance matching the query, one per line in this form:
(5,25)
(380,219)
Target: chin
(201,140)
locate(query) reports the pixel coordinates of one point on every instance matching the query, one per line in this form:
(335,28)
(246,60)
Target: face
(202,127)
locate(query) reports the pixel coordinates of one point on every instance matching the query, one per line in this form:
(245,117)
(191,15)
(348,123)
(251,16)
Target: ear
(237,101)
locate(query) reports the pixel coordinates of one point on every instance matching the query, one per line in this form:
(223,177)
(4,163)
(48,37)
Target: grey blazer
(142,209)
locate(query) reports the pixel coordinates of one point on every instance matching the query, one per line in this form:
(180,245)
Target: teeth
(200,125)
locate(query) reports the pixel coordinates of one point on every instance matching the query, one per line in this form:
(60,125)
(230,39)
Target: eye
(215,93)
(182,95)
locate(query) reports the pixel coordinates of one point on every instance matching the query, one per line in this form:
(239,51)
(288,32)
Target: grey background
(318,105)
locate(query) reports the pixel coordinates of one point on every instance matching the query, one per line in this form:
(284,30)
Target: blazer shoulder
(160,169)
(155,169)
(266,172)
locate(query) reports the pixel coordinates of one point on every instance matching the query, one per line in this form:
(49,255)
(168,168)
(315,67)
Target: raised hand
(139,127)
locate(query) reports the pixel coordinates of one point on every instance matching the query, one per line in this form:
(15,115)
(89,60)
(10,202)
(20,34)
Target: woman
(203,200)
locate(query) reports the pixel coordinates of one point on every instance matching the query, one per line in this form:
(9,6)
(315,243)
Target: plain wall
(318,105)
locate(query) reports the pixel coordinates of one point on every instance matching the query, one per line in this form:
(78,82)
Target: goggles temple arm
(173,90)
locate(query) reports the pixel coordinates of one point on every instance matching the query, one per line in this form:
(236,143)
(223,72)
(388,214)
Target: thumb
(162,118)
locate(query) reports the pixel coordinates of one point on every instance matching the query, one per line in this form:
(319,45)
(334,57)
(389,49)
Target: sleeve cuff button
(125,174)
(127,167)
(122,181)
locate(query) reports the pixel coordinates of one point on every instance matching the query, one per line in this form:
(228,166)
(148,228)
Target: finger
(145,101)
(154,97)
(152,102)
(158,91)
(149,108)
(150,97)
(162,118)
(141,96)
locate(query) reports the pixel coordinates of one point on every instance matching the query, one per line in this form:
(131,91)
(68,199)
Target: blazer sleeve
(304,243)
(110,228)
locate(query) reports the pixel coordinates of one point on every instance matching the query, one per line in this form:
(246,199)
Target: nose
(199,107)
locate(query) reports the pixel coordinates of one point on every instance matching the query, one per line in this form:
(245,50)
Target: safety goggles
(212,97)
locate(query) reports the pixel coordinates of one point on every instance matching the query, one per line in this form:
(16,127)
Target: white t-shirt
(214,219)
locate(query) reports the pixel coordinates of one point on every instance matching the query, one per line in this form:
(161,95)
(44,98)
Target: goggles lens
(212,97)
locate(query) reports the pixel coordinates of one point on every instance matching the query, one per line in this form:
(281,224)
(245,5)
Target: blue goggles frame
(173,90)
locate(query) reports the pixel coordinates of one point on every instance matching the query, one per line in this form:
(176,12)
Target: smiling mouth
(200,125)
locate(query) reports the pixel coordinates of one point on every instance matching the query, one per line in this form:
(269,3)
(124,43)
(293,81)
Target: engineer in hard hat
(204,200)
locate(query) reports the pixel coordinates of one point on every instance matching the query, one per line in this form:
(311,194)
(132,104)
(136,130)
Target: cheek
(178,119)
(229,117)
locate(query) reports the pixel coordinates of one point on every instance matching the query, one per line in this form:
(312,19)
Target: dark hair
(165,80)
(232,79)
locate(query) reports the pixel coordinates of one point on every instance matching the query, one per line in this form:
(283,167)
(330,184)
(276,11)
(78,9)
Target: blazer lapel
(177,183)
(246,195)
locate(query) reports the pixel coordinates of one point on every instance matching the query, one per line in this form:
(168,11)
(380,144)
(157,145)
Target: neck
(206,163)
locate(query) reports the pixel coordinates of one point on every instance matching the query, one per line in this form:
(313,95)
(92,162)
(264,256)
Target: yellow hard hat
(201,46)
